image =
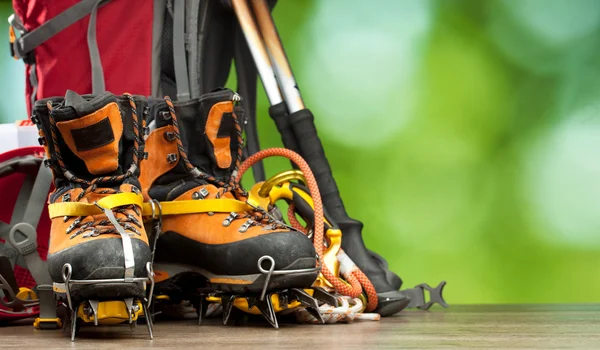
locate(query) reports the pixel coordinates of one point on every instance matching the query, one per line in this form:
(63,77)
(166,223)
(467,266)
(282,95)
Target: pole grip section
(311,149)
(280,116)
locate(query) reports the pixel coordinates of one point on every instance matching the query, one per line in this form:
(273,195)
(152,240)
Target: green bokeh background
(463,133)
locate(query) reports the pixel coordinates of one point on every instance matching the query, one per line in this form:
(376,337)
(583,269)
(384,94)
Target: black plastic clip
(417,296)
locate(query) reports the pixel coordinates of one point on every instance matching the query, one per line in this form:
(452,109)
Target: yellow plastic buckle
(26,294)
(47,323)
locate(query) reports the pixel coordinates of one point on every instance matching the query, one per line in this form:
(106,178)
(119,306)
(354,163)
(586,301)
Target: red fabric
(11,316)
(9,189)
(124,35)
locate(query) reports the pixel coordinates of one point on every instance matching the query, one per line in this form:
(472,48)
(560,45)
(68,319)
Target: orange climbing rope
(354,276)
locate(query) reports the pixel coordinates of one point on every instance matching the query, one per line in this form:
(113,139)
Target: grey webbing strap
(33,81)
(127,245)
(179,53)
(47,306)
(38,197)
(193,45)
(4,230)
(160,7)
(41,34)
(22,198)
(96,63)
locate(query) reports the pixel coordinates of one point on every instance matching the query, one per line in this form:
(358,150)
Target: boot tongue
(93,132)
(220,133)
(209,135)
(81,106)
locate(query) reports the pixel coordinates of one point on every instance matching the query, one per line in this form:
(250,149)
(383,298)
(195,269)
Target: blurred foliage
(463,133)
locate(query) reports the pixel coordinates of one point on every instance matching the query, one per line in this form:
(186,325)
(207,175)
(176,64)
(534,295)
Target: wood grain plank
(474,326)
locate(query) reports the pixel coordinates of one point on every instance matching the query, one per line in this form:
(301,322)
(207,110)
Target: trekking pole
(278,110)
(301,119)
(281,65)
(258,50)
(298,131)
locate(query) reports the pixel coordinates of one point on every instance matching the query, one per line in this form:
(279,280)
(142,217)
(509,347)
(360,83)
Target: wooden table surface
(475,326)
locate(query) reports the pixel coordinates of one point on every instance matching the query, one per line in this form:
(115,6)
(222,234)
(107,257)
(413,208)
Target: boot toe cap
(98,259)
(290,250)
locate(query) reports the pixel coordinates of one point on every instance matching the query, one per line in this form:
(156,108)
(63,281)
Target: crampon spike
(202,308)
(94,307)
(149,323)
(266,309)
(310,303)
(227,302)
(324,296)
(73,324)
(129,305)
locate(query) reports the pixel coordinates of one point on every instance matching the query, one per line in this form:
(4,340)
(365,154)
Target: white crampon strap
(348,311)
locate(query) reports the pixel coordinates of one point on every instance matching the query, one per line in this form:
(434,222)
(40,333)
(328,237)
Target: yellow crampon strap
(87,209)
(222,205)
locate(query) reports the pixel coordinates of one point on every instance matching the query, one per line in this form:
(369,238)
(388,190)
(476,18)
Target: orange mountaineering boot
(211,238)
(99,257)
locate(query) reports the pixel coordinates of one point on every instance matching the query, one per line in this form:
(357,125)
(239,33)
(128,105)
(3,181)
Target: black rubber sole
(276,282)
(188,279)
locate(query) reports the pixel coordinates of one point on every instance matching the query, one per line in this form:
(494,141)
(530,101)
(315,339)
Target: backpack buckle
(417,296)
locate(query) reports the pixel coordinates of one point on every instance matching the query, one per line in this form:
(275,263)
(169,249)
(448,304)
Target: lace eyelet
(169,136)
(165,115)
(171,158)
